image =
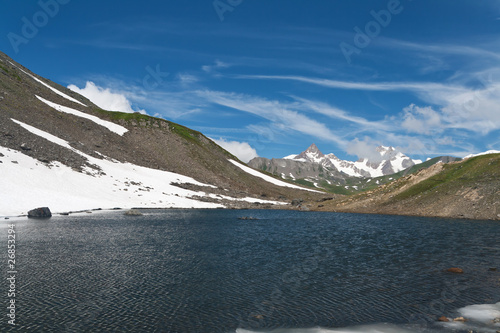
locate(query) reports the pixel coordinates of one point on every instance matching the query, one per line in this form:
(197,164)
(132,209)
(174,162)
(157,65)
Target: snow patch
(120,130)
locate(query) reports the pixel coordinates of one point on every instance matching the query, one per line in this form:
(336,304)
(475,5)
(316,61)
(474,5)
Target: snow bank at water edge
(27,183)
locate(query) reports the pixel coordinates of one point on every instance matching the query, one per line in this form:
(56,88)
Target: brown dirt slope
(466,189)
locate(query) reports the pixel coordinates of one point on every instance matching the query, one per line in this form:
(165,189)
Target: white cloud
(364,149)
(187,79)
(105,98)
(421,120)
(212,68)
(242,150)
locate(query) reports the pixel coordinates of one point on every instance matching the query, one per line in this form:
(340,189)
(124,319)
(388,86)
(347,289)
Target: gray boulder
(43,212)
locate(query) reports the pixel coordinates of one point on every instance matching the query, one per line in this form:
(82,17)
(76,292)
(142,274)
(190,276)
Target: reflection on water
(207,271)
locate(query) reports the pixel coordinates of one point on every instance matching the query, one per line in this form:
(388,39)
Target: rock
(455,270)
(303,208)
(133,212)
(25,147)
(247,218)
(65,214)
(443,319)
(297,202)
(43,212)
(259,316)
(492,269)
(462,319)
(496,320)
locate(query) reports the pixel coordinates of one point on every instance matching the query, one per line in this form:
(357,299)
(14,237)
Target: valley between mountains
(58,149)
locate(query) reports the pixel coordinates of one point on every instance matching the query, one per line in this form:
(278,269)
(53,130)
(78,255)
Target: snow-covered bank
(483,318)
(26,183)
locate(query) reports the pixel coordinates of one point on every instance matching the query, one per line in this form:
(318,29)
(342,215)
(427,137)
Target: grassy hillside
(466,189)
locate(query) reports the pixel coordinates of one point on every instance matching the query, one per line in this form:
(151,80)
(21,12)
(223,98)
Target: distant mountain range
(315,167)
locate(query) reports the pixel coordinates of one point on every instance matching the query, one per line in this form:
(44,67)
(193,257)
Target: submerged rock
(247,218)
(133,212)
(455,270)
(443,319)
(43,212)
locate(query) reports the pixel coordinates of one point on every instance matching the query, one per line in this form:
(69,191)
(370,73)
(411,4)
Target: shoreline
(250,206)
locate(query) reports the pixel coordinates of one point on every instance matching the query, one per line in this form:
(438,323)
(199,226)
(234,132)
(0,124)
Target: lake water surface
(208,271)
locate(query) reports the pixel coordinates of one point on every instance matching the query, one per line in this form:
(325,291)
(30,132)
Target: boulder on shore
(40,213)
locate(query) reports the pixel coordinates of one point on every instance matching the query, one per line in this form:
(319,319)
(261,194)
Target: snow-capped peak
(390,161)
(311,154)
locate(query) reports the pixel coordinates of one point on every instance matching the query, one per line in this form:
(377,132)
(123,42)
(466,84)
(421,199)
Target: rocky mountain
(468,188)
(58,149)
(315,167)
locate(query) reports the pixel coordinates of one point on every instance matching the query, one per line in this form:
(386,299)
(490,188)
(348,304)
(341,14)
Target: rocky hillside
(48,126)
(464,189)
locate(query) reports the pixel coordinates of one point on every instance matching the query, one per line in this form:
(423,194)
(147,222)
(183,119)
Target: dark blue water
(207,271)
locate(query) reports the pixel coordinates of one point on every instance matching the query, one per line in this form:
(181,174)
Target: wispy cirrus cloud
(445,49)
(336,113)
(274,111)
(349,85)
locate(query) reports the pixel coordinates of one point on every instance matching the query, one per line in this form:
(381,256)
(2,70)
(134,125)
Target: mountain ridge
(57,128)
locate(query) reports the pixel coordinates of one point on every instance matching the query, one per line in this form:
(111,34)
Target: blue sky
(269,78)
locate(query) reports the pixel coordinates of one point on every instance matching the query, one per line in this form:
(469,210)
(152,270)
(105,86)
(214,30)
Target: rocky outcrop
(40,213)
